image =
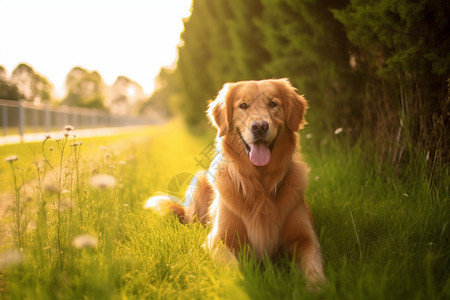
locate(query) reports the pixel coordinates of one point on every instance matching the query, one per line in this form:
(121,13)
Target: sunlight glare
(134,38)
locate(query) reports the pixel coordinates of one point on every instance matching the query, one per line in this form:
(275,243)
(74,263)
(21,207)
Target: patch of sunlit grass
(27,152)
(89,237)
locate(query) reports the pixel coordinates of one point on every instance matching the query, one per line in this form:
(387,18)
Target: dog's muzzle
(259,151)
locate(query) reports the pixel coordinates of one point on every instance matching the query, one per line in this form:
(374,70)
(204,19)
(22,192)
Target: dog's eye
(273,104)
(243,105)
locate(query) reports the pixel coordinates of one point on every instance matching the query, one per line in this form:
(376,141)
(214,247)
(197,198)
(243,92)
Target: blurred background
(380,70)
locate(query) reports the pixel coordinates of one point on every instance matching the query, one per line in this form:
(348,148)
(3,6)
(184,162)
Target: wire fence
(23,117)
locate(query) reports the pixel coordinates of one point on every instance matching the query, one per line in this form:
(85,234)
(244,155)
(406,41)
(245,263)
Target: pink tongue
(259,154)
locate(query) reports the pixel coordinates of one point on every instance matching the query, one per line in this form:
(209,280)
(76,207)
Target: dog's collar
(247,146)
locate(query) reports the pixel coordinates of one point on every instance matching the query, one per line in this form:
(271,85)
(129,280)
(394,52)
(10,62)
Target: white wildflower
(338,131)
(309,135)
(11,258)
(316,178)
(52,187)
(11,158)
(102,181)
(122,163)
(31,226)
(64,205)
(76,144)
(84,241)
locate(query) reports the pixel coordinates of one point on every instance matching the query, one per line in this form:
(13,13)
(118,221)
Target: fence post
(47,117)
(21,120)
(74,121)
(35,118)
(4,118)
(66,112)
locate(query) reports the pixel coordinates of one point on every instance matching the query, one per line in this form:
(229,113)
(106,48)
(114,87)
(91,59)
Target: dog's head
(258,112)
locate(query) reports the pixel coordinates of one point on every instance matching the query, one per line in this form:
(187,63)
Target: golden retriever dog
(254,194)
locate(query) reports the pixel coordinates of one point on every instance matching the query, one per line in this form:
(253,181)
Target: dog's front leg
(301,241)
(227,235)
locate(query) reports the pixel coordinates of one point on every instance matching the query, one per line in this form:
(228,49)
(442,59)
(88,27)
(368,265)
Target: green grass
(391,232)
(383,236)
(30,152)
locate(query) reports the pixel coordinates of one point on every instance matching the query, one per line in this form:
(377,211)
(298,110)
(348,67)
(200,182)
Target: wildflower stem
(23,210)
(42,210)
(61,148)
(77,174)
(46,160)
(16,207)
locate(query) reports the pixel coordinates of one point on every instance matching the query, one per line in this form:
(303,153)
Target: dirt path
(81,133)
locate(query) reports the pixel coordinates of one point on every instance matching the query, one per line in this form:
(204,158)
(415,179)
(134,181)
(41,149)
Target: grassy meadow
(79,231)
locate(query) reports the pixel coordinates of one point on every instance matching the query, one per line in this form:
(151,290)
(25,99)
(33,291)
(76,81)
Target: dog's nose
(259,127)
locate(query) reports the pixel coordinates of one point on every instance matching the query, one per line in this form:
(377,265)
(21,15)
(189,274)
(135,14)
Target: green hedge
(378,69)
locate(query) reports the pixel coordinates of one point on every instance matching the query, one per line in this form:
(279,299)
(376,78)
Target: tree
(84,89)
(33,86)
(165,99)
(8,91)
(194,56)
(124,95)
(248,52)
(403,49)
(308,45)
(220,44)
(379,68)
(3,75)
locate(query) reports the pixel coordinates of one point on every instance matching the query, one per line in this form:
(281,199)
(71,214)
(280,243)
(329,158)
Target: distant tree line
(24,83)
(378,69)
(83,89)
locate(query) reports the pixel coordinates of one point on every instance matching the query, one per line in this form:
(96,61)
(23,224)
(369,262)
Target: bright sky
(133,38)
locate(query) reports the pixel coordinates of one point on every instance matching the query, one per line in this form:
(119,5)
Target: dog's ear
(218,113)
(295,106)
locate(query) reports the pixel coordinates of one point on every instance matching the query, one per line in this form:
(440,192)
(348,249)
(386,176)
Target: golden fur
(251,201)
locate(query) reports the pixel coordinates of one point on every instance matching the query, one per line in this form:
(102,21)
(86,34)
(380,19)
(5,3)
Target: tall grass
(382,235)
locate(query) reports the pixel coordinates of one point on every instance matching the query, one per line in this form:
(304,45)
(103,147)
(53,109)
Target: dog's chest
(262,224)
(263,234)
(252,202)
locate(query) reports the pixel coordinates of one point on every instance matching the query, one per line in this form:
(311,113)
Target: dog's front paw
(315,280)
(224,254)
